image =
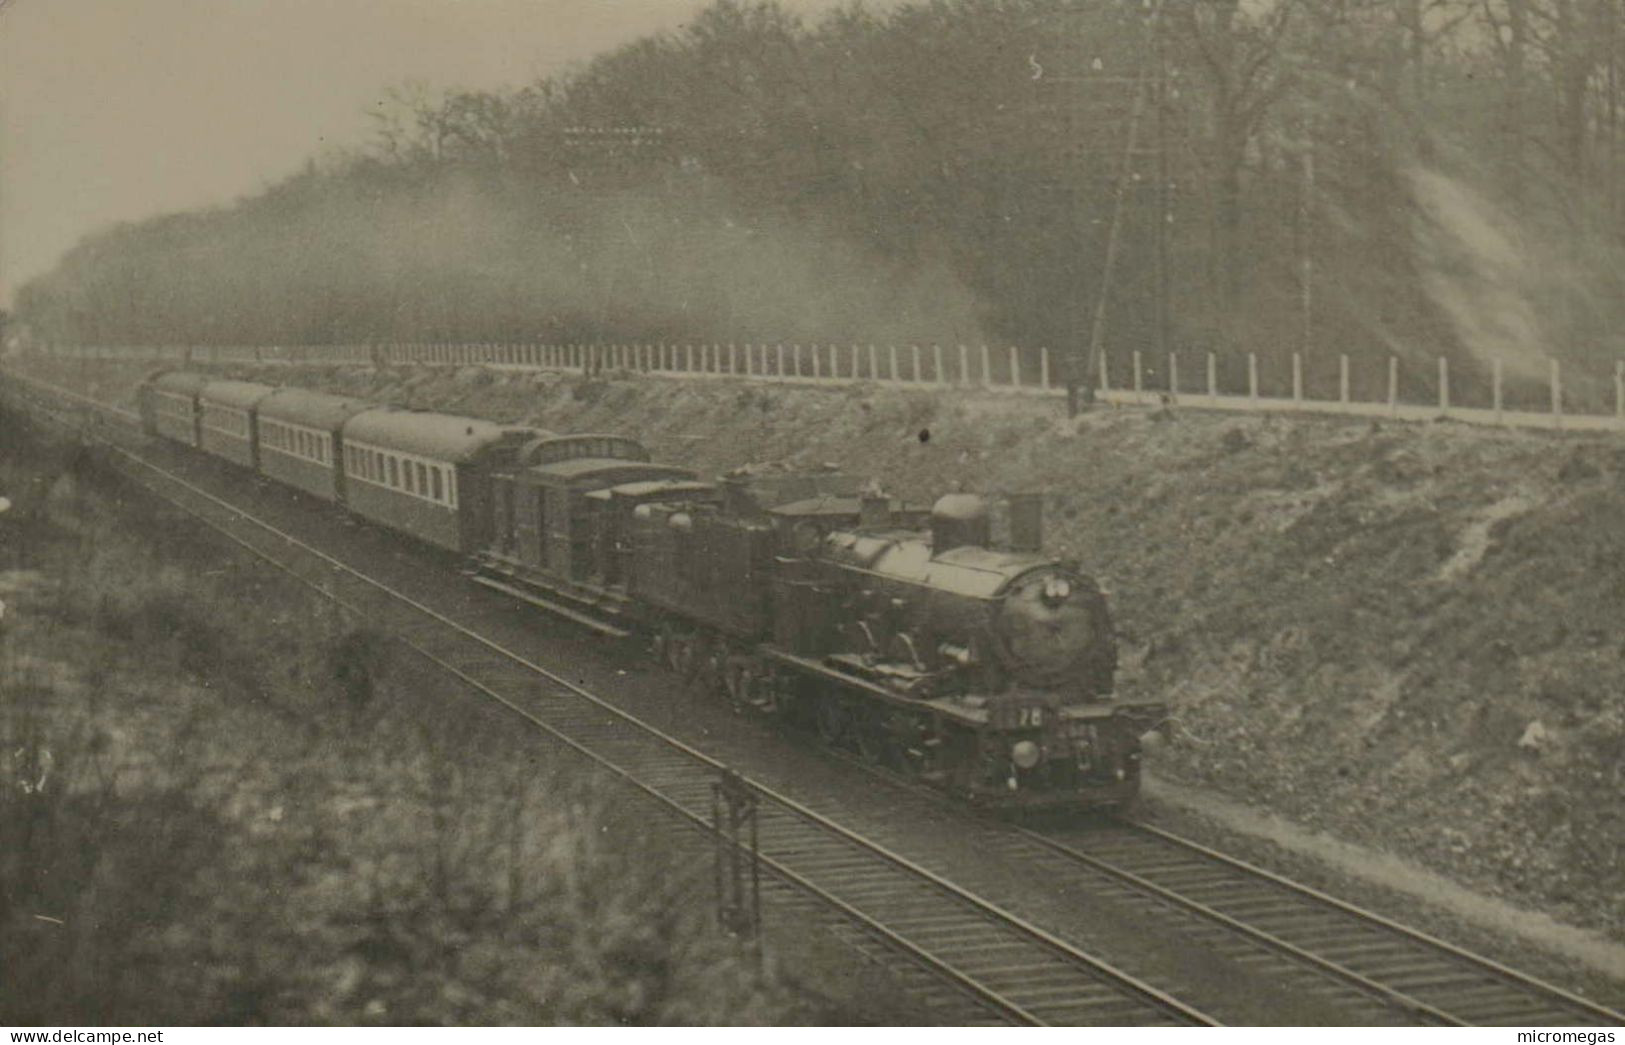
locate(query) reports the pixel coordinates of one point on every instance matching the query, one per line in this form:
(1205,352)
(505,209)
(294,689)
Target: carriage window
(406,476)
(423,479)
(439,493)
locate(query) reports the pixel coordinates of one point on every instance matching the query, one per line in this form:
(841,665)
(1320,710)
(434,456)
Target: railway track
(1415,972)
(1016,971)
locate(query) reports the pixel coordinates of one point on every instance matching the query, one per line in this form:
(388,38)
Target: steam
(1478,275)
(463,259)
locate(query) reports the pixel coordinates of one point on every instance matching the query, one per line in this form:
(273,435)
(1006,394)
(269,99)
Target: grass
(209,816)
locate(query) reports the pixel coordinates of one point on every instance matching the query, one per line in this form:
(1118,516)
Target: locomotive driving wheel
(709,666)
(876,740)
(832,721)
(677,651)
(869,736)
(740,684)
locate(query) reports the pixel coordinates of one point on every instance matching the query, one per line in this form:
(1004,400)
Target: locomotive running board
(552,607)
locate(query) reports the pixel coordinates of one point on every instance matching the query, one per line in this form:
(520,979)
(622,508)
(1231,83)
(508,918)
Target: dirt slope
(1409,636)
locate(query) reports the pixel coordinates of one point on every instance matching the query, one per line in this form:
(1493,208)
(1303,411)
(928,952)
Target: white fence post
(1619,389)
(1139,380)
(1173,376)
(1444,385)
(1393,385)
(1495,388)
(1343,380)
(987,369)
(1105,377)
(1297,378)
(1015,368)
(1557,393)
(1043,368)
(1252,376)
(834,363)
(1212,377)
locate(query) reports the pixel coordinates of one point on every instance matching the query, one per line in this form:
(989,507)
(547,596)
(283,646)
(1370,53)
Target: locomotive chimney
(874,511)
(1026,522)
(958,519)
(874,507)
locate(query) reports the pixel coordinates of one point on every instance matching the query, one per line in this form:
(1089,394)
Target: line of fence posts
(825,365)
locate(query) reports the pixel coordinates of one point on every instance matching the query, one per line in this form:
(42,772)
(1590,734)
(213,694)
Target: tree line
(1371,177)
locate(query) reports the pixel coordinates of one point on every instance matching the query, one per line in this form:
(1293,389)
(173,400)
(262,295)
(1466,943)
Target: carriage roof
(311,409)
(578,468)
(179,381)
(239,394)
(443,437)
(647,488)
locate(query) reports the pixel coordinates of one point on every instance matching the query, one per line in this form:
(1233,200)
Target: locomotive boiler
(998,662)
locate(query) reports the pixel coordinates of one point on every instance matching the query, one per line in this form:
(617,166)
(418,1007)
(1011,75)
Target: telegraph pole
(1165,204)
(1092,362)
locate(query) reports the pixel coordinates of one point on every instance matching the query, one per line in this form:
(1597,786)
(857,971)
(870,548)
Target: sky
(114,110)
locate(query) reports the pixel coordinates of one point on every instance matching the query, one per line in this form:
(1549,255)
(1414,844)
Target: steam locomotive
(897,632)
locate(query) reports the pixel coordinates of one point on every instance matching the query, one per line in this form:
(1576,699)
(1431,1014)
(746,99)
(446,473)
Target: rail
(895,899)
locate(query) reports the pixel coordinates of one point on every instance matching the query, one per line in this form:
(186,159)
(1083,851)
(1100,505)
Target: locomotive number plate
(1027,716)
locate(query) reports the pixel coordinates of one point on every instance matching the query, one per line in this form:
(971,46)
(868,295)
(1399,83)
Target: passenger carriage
(226,420)
(168,405)
(423,473)
(301,439)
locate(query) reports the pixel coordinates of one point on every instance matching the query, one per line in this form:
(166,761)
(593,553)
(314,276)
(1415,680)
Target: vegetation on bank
(1401,634)
(1389,177)
(221,802)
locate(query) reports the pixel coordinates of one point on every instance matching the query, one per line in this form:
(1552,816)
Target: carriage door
(502,516)
(541,526)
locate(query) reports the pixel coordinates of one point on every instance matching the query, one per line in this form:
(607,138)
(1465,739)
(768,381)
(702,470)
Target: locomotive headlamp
(1025,754)
(1057,589)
